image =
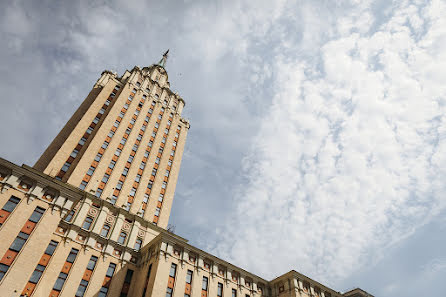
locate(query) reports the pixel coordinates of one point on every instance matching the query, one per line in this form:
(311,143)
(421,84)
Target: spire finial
(163,60)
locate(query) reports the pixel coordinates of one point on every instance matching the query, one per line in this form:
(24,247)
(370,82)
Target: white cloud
(348,159)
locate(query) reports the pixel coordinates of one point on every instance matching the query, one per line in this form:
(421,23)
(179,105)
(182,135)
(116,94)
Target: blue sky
(317,138)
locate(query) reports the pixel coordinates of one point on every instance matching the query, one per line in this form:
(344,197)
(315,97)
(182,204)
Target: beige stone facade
(90,218)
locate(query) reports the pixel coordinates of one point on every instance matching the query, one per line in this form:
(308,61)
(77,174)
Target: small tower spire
(163,60)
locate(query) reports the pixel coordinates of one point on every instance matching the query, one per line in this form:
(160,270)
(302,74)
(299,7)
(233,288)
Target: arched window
(105,230)
(138,244)
(122,237)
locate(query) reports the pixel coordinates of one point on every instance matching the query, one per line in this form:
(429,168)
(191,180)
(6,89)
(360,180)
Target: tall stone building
(90,217)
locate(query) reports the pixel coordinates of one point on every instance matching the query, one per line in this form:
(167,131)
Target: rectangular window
(82,141)
(105,178)
(189,277)
(87,223)
(204,285)
(60,281)
(119,185)
(83,185)
(220,290)
(105,145)
(8,208)
(18,242)
(234,293)
(89,130)
(74,153)
(81,289)
(37,214)
(92,263)
(98,157)
(72,256)
(3,269)
(65,167)
(110,270)
(173,270)
(169,292)
(96,120)
(51,247)
(90,171)
(69,216)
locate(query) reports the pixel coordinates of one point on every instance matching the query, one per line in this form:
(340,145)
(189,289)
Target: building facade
(90,217)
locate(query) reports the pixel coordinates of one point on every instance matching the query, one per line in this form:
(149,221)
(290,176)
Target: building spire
(163,60)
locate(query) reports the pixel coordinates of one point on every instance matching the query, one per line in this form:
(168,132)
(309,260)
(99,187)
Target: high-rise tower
(124,143)
(89,219)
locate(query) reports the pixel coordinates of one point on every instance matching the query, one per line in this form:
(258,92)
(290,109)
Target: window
(169,162)
(119,185)
(65,167)
(112,164)
(234,293)
(116,124)
(173,270)
(122,237)
(157,125)
(163,140)
(138,84)
(107,102)
(126,106)
(204,285)
(160,150)
(138,178)
(142,165)
(89,130)
(37,214)
(87,223)
(135,148)
(37,274)
(169,292)
(96,120)
(138,244)
(98,192)
(83,185)
(74,153)
(82,141)
(11,204)
(51,247)
(163,186)
(105,230)
(147,90)
(92,263)
(125,171)
(220,290)
(69,216)
(132,121)
(134,91)
(189,277)
(160,198)
(160,117)
(105,145)
(81,289)
(72,256)
(154,171)
(123,141)
(139,136)
(167,173)
(105,178)
(98,157)
(157,211)
(60,281)
(90,171)
(3,269)
(18,242)
(118,152)
(132,192)
(110,270)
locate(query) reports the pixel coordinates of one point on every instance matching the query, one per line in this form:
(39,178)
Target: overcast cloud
(318,129)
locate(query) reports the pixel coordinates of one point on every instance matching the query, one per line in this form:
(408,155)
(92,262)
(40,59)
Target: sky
(318,128)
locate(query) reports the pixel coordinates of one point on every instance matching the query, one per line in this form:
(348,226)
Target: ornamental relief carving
(110,219)
(141,233)
(93,212)
(126,226)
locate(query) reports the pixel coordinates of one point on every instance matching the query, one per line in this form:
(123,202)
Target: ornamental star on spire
(163,60)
